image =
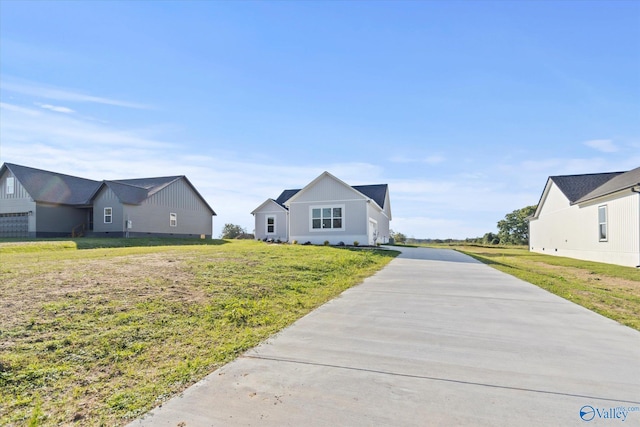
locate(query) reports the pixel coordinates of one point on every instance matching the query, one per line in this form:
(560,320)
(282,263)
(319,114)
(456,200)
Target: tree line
(512,230)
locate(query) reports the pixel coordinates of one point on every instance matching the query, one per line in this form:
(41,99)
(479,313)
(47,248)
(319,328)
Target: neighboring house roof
(582,188)
(620,182)
(575,187)
(135,191)
(51,187)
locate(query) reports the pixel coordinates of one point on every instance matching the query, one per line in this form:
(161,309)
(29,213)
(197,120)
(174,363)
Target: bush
(294,242)
(326,243)
(356,243)
(340,244)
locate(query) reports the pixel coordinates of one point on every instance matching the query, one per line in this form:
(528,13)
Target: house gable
(269,206)
(326,187)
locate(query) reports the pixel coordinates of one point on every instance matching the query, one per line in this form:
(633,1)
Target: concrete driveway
(434,339)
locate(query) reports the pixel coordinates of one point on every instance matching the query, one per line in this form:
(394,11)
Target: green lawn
(99,331)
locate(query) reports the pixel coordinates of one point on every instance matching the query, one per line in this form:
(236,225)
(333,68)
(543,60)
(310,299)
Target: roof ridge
(123,183)
(50,172)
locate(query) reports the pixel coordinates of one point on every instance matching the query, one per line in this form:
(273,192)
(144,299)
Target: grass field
(99,331)
(610,290)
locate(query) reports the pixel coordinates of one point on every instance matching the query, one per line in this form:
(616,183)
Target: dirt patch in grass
(127,279)
(100,336)
(599,281)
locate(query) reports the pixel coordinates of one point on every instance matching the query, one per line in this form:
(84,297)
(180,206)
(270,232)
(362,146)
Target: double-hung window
(602,223)
(11,185)
(271,225)
(108,215)
(173,220)
(327,218)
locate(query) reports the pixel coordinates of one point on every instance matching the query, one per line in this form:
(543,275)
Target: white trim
(326,206)
(605,223)
(266,202)
(266,224)
(104,216)
(332,200)
(315,181)
(11,185)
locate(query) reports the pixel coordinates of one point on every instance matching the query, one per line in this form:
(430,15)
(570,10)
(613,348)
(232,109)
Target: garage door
(14,224)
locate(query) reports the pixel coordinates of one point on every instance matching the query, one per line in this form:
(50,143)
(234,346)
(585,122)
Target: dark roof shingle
(575,187)
(284,196)
(51,187)
(376,192)
(135,191)
(620,182)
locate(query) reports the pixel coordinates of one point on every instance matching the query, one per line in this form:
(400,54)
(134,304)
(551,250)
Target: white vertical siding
(572,231)
(329,191)
(19,192)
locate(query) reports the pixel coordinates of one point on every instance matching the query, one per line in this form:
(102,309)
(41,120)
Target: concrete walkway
(434,339)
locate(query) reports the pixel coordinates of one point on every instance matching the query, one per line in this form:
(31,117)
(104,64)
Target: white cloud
(429,160)
(603,145)
(20,123)
(56,108)
(61,94)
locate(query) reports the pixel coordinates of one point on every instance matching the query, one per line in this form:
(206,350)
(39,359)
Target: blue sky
(463,107)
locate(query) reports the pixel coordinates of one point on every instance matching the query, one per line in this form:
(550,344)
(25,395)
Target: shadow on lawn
(95,243)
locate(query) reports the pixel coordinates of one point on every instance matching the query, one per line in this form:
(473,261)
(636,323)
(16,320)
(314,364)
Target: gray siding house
(38,203)
(327,209)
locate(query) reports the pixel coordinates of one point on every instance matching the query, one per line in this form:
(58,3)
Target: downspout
(636,189)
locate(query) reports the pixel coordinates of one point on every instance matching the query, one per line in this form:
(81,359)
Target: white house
(327,209)
(593,217)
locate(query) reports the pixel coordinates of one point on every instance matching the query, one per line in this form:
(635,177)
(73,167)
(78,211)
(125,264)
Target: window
(271,224)
(10,185)
(602,223)
(173,220)
(329,217)
(108,215)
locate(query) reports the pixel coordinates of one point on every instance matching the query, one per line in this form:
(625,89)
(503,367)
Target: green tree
(514,228)
(232,231)
(398,237)
(490,239)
